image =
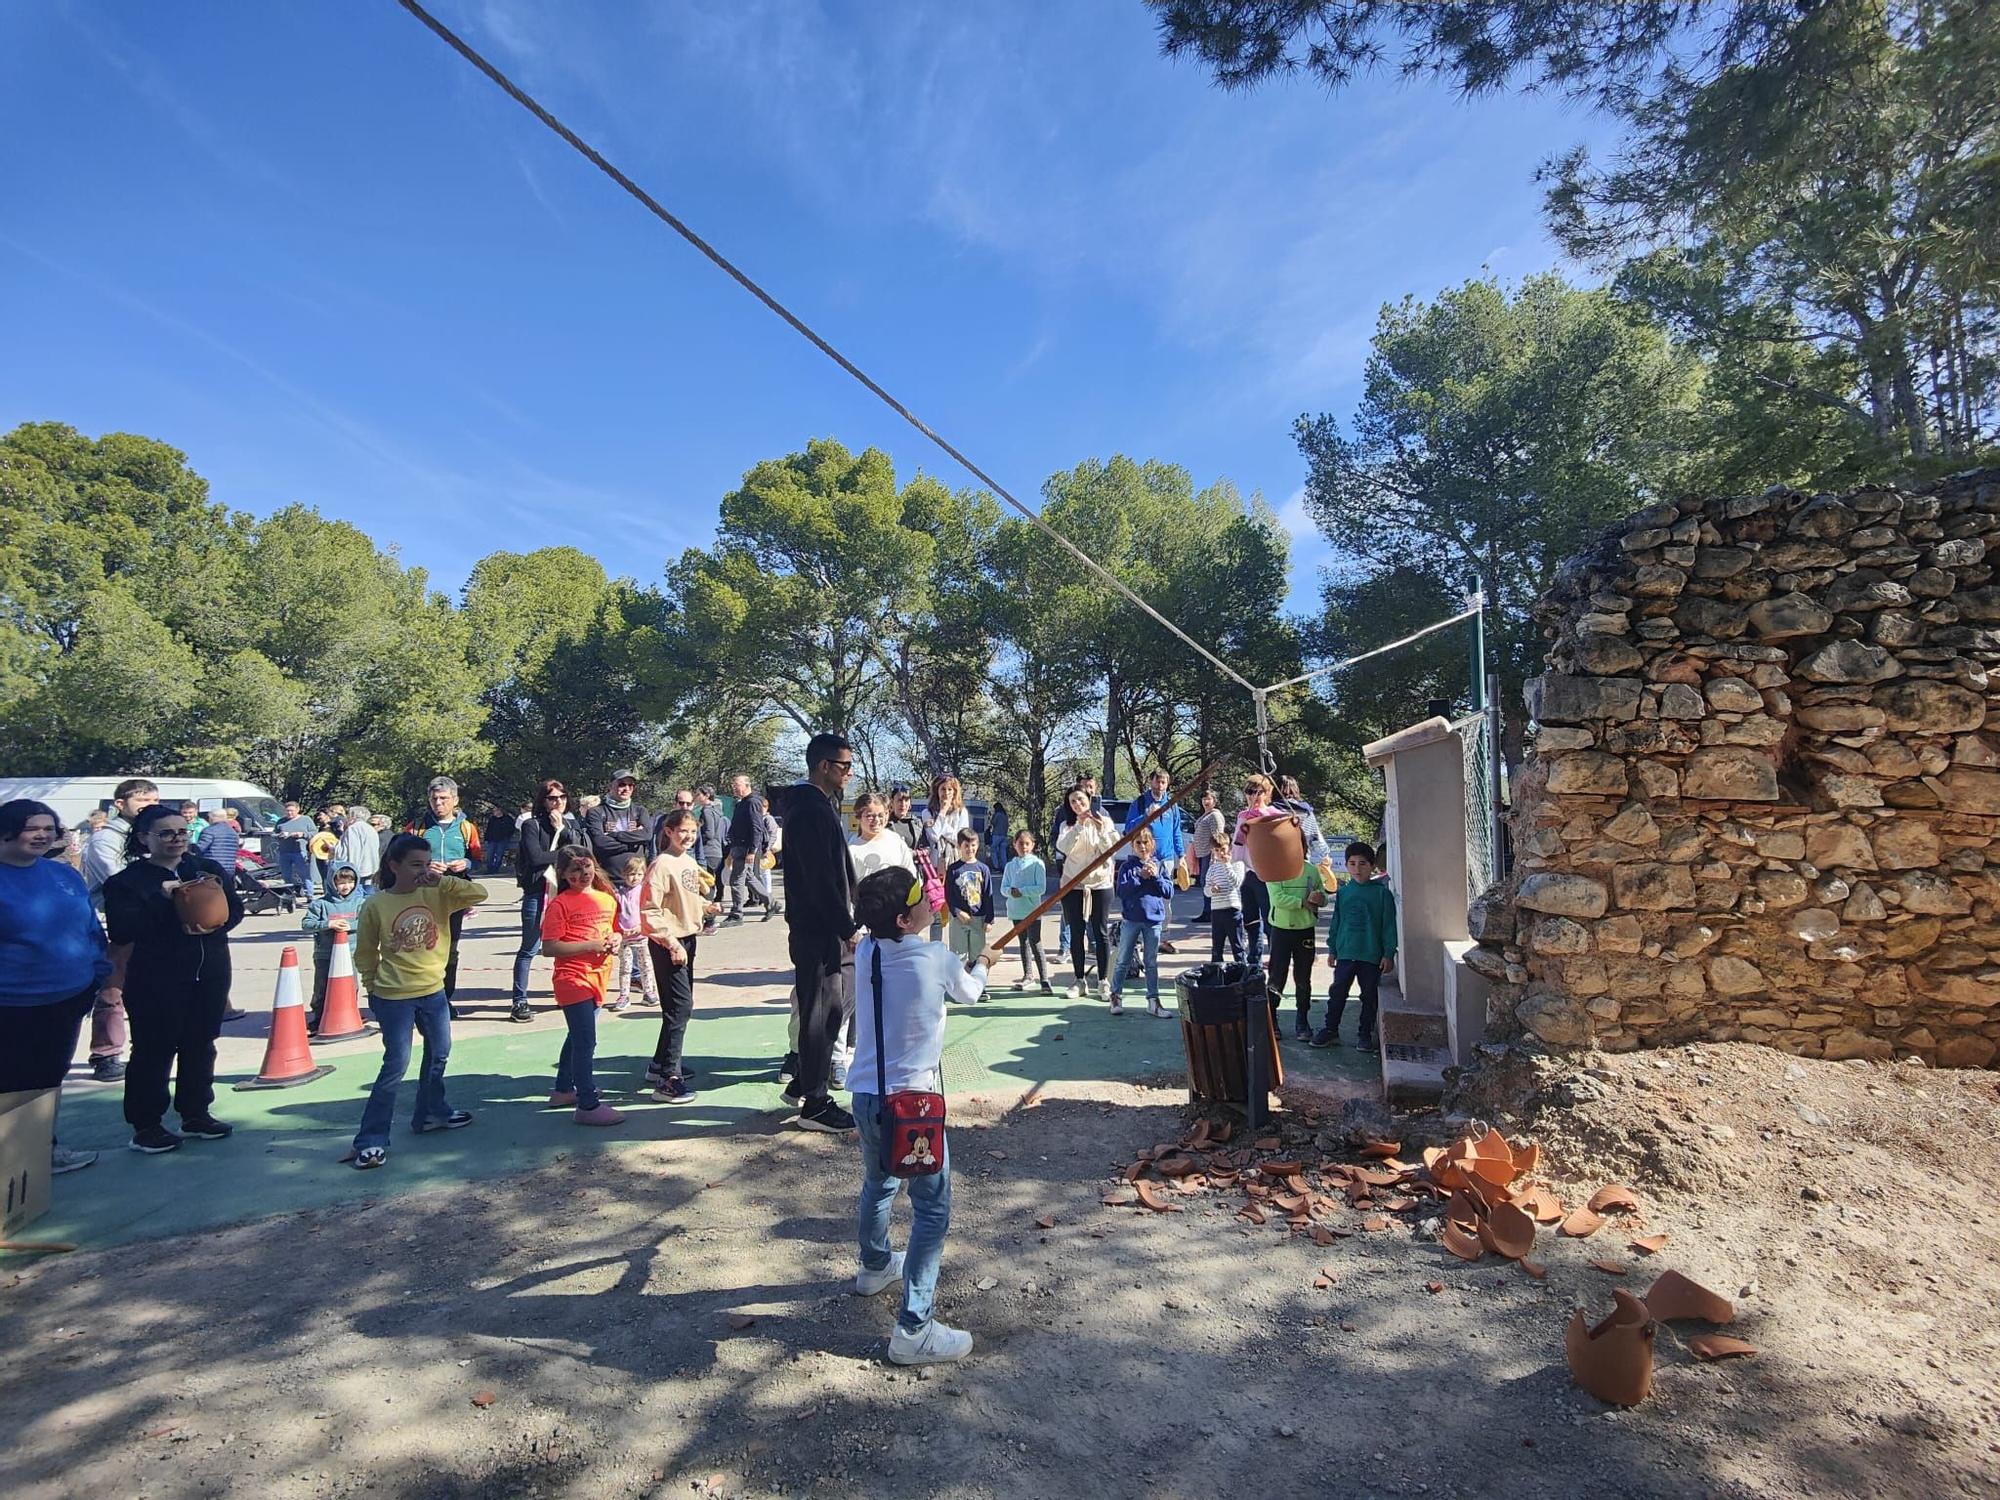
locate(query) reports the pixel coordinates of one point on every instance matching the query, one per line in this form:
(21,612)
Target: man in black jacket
(819,897)
(746,844)
(618,825)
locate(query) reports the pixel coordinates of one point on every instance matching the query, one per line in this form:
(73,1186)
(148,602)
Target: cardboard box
(27,1132)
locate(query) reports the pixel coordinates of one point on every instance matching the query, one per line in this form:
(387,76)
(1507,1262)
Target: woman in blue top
(52,957)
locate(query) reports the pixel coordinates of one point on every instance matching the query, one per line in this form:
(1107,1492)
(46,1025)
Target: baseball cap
(618,776)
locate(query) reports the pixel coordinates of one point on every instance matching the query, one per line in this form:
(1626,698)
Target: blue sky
(313,249)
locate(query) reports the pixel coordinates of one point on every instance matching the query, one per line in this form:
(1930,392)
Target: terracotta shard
(1046,1221)
(1289,1203)
(1674,1296)
(1251,1212)
(1650,1244)
(1497,1170)
(1150,1196)
(1321,1235)
(1377,1177)
(1614,1195)
(1609,1267)
(1267,1142)
(1487,1191)
(1433,1287)
(1118,1198)
(1375,1224)
(1542,1204)
(1134,1172)
(480,1399)
(1526,1159)
(1322,1283)
(1508,1231)
(1533,1267)
(1614,1360)
(1718,1346)
(1582,1224)
(1490,1146)
(1464,1209)
(1222,1132)
(1397,1205)
(1380,1149)
(1278,1168)
(1298,1184)
(1459,1243)
(1173,1166)
(1199,1136)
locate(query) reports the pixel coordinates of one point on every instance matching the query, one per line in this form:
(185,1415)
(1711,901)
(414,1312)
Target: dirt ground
(1847,1208)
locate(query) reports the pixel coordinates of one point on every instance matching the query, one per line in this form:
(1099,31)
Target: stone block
(1559,1020)
(1680,701)
(1728,773)
(1652,887)
(1787,616)
(1559,698)
(1928,706)
(1620,934)
(1732,695)
(1931,895)
(1587,773)
(1906,844)
(1633,825)
(1558,935)
(1964,789)
(1839,846)
(1968,1051)
(1734,976)
(1563,895)
(1850,662)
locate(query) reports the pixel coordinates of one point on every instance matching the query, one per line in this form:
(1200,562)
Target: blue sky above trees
(312,249)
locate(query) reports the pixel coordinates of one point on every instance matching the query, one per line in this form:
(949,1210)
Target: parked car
(75,797)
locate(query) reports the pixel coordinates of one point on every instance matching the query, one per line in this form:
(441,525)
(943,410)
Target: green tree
(1496,433)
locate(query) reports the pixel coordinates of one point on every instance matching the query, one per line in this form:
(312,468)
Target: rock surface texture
(1762,799)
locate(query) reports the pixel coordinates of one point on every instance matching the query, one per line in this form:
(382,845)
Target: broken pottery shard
(1609,1267)
(1134,1172)
(1150,1196)
(1278,1168)
(1541,1204)
(1375,1224)
(480,1399)
(1526,1158)
(1251,1212)
(1718,1346)
(1651,1244)
(1046,1221)
(1322,1236)
(1674,1296)
(1433,1287)
(1610,1196)
(1118,1198)
(1533,1267)
(1173,1166)
(1380,1149)
(1459,1243)
(1267,1143)
(1321,1283)
(1582,1224)
(1614,1360)
(1508,1231)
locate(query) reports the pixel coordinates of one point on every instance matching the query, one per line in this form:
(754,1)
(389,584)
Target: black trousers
(824,986)
(451,962)
(1031,942)
(1347,971)
(1225,927)
(1073,908)
(1293,949)
(173,1032)
(676,986)
(38,1041)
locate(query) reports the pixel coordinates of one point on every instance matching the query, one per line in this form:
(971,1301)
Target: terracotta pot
(1276,845)
(1614,1360)
(202,904)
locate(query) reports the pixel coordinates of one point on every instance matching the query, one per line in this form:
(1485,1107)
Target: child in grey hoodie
(338,910)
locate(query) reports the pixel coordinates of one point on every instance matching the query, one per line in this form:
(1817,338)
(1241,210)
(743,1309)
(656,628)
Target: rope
(1393,645)
(590,153)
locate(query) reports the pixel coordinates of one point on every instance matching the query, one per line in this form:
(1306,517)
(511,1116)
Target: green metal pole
(1478,650)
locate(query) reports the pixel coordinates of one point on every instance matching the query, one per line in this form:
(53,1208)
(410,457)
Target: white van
(75,797)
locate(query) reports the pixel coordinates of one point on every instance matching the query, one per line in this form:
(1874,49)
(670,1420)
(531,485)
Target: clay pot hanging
(1276,845)
(201,904)
(1614,1360)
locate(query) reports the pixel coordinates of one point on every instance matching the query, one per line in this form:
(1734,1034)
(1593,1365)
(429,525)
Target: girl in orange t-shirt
(579,931)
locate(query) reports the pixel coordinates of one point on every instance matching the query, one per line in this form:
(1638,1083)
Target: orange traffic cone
(288,1058)
(340,1020)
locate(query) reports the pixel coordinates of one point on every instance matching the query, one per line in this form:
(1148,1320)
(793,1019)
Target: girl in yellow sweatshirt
(400,952)
(672,910)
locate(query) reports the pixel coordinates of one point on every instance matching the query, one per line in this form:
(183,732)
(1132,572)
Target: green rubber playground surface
(285,1153)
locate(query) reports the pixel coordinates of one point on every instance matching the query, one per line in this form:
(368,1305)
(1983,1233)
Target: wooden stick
(1174,795)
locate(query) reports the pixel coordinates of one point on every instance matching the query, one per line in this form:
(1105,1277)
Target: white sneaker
(1104,989)
(62,1159)
(935,1344)
(867,1283)
(1076,992)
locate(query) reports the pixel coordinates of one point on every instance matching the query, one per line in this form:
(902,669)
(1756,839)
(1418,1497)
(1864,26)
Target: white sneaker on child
(936,1343)
(867,1283)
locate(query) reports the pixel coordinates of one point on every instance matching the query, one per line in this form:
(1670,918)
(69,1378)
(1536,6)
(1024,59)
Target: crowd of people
(134,936)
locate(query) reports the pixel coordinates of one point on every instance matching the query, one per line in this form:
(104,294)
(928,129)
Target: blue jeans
(930,1216)
(431,1015)
(579,1053)
(296,867)
(532,902)
(1130,934)
(1256,909)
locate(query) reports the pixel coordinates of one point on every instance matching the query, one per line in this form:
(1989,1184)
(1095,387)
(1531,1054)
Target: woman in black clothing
(174,978)
(551,830)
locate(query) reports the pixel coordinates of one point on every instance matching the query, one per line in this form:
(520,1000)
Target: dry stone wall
(1763,795)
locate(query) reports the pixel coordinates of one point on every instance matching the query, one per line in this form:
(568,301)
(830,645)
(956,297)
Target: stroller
(263,888)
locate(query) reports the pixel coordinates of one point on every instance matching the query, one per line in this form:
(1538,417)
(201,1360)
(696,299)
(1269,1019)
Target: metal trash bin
(1230,1036)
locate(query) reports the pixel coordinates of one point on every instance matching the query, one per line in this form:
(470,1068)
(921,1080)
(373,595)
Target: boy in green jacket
(1364,945)
(1293,922)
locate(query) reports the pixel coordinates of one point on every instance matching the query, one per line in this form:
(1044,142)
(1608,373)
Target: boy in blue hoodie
(1144,893)
(338,910)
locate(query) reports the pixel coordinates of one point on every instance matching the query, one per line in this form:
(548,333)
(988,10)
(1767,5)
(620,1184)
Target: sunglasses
(556,797)
(841,765)
(679,803)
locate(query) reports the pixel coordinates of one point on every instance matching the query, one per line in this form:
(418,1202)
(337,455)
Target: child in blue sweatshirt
(968,896)
(1025,880)
(1144,893)
(337,910)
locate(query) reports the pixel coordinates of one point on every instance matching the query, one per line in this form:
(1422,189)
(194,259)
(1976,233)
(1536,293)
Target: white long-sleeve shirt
(917,979)
(1223,884)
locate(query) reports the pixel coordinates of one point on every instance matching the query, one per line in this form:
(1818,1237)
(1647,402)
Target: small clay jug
(1276,846)
(201,904)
